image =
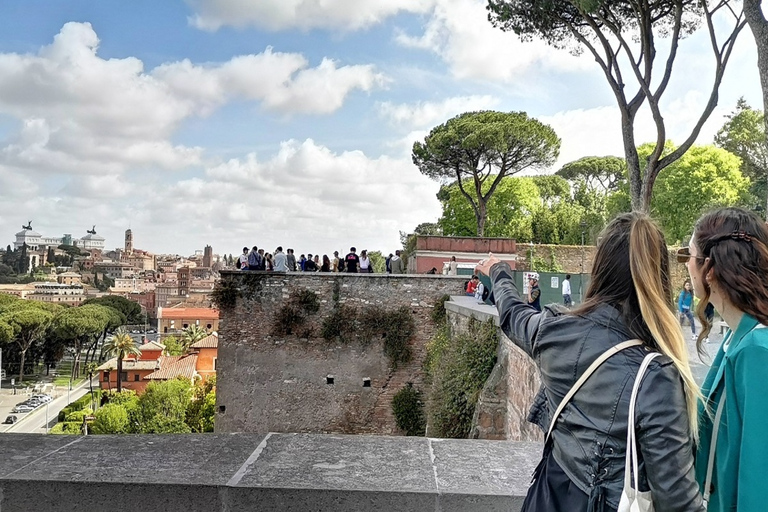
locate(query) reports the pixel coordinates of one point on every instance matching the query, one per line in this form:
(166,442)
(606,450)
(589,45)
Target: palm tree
(121,344)
(192,335)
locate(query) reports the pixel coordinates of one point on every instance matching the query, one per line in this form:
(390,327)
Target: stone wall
(569,257)
(264,472)
(504,402)
(279,383)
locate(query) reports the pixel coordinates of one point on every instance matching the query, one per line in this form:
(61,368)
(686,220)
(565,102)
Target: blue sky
(234,123)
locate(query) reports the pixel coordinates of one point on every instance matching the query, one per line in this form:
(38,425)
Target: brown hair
(643,296)
(735,241)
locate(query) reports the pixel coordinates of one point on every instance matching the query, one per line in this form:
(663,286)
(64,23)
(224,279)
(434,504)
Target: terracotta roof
(151,345)
(190,313)
(130,364)
(184,366)
(211,341)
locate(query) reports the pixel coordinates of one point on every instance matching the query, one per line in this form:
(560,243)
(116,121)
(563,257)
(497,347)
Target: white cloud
(81,114)
(459,32)
(305,196)
(427,113)
(302,14)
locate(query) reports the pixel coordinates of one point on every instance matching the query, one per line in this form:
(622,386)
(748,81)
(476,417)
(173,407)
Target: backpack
(486,293)
(238,264)
(466,286)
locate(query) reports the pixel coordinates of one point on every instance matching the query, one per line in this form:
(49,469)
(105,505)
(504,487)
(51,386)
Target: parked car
(10,420)
(23,408)
(43,398)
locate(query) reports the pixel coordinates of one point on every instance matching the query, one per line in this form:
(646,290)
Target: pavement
(35,421)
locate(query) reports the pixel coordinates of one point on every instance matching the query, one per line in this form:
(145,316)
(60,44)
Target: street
(35,422)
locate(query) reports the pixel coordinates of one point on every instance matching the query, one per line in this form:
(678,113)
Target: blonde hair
(647,255)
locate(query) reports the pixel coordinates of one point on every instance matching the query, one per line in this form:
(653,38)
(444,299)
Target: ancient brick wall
(278,383)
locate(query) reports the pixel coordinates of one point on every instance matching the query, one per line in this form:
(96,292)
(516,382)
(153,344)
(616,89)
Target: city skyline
(216,122)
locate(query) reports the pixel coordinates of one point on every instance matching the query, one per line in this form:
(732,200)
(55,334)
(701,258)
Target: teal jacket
(741,459)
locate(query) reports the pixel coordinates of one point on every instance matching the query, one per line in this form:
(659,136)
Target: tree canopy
(622,36)
(476,148)
(744,135)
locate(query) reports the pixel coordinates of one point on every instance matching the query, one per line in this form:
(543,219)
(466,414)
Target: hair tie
(736,235)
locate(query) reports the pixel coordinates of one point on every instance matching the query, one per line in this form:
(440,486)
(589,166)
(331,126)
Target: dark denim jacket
(591,433)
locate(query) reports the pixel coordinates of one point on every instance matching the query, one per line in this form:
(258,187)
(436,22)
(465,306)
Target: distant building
(153,365)
(69,294)
(19,290)
(175,320)
(208,256)
(69,278)
(114,269)
(436,251)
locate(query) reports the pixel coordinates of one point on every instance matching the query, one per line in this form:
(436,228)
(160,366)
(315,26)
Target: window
(165,329)
(186,325)
(208,327)
(135,377)
(105,376)
(215,360)
(124,376)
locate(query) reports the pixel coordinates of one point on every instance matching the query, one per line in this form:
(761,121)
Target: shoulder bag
(632,498)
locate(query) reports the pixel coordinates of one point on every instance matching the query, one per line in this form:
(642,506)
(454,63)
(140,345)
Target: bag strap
(584,376)
(712,448)
(631,454)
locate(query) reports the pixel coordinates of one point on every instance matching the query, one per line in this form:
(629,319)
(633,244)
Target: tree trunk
(759,27)
(21,364)
(481,216)
(119,371)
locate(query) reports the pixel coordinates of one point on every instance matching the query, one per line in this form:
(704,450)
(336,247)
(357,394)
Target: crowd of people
(635,431)
(259,260)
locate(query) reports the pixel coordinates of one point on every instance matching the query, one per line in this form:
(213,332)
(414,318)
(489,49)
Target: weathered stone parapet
(503,405)
(264,472)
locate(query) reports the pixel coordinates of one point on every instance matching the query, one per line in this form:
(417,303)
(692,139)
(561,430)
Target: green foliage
(457,368)
(438,310)
(379,262)
(81,404)
(67,428)
(703,178)
(163,406)
(483,148)
(201,410)
(509,209)
(339,324)
(744,136)
(126,398)
(601,174)
(192,335)
(225,293)
(395,328)
(131,311)
(294,312)
(173,346)
(112,418)
(408,408)
(78,416)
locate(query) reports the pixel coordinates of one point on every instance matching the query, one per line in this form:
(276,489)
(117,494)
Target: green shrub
(68,428)
(78,416)
(84,402)
(294,312)
(458,367)
(111,419)
(399,328)
(438,311)
(408,408)
(225,293)
(339,324)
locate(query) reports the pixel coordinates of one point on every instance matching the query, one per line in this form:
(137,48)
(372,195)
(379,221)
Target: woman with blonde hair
(727,259)
(626,320)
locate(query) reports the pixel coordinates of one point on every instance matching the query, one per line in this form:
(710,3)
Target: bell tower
(128,242)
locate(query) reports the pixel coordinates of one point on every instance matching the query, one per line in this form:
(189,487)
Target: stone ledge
(280,472)
(345,275)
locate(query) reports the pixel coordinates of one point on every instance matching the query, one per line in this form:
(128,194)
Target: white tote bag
(632,499)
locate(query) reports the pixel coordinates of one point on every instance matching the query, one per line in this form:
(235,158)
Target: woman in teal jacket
(728,263)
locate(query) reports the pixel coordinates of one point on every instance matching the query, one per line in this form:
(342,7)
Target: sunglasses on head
(684,254)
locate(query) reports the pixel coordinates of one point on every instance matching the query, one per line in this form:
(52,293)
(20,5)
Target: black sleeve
(517,319)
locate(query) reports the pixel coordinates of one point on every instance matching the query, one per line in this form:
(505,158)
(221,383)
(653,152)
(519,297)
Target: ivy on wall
(456,368)
(408,408)
(292,316)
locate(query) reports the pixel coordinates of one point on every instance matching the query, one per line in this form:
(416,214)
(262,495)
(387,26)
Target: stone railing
(272,472)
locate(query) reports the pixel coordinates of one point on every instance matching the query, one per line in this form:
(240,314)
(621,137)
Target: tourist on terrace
(335,262)
(396,265)
(727,259)
(254,259)
(309,265)
(244,259)
(365,262)
(326,266)
(280,260)
(627,315)
(302,262)
(453,267)
(290,260)
(352,261)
